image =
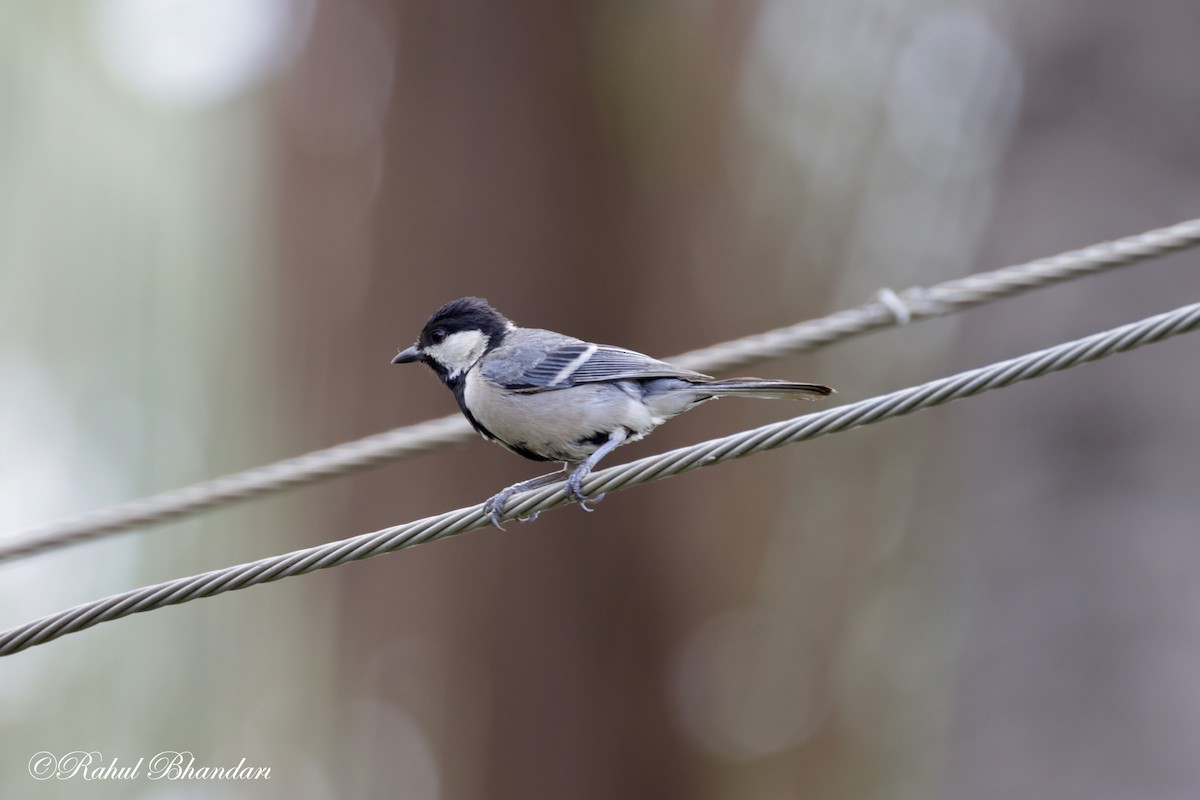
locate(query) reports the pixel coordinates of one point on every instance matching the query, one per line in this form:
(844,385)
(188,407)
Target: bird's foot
(575,490)
(494,506)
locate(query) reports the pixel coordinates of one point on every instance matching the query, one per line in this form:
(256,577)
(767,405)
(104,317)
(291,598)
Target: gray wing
(540,361)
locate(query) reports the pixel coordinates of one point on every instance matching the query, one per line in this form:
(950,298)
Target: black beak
(407,356)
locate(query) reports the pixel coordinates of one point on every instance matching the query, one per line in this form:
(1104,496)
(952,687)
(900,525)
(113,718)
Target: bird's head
(456,336)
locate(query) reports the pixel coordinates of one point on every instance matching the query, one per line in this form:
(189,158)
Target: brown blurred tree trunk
(505,173)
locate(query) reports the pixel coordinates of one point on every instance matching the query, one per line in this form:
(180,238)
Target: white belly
(560,425)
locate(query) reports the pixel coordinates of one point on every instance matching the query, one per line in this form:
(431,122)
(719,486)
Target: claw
(495,507)
(575,492)
(583,502)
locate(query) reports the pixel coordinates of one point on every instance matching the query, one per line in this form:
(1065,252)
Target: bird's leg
(494,507)
(582,469)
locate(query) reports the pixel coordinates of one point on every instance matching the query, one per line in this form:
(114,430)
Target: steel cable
(890,309)
(674,462)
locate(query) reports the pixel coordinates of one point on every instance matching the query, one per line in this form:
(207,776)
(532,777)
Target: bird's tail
(762,388)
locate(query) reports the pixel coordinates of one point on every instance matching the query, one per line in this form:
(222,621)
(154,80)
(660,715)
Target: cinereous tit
(551,397)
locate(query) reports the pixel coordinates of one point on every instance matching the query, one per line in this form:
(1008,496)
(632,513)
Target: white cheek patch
(458,351)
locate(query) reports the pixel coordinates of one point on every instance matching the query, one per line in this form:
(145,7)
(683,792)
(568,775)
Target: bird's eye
(438,335)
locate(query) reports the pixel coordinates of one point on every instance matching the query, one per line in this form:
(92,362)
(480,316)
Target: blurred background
(219,219)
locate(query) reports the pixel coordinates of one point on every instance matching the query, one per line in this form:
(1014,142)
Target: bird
(551,397)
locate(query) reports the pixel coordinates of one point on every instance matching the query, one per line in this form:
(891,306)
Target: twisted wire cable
(890,309)
(287,474)
(674,462)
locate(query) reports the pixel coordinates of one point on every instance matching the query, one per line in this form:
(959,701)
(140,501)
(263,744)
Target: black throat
(468,314)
